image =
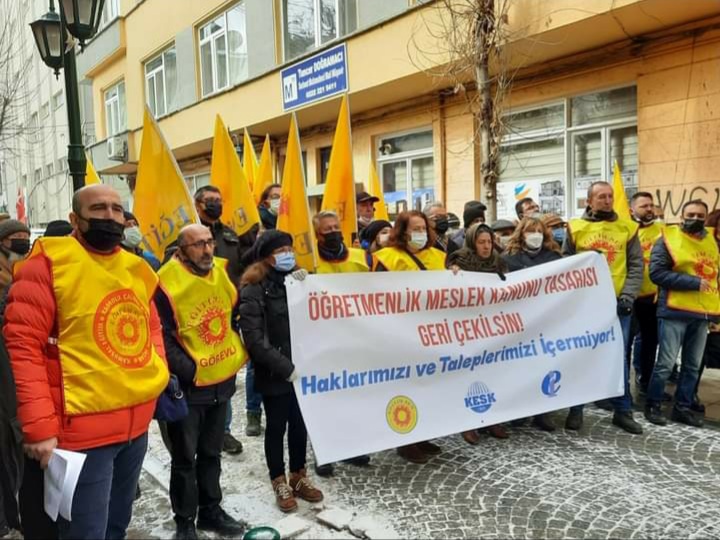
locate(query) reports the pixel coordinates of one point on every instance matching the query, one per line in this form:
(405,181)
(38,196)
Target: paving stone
(337,518)
(292,526)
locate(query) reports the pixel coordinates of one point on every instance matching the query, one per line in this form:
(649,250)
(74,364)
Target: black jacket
(523,259)
(182,366)
(266,333)
(268,219)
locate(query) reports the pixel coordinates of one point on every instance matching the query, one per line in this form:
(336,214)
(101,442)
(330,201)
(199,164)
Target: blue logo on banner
(479,398)
(551,383)
(315,78)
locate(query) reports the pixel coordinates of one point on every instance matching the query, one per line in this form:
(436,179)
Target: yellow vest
(397,260)
(648,236)
(609,238)
(696,257)
(355,262)
(203,311)
(107,358)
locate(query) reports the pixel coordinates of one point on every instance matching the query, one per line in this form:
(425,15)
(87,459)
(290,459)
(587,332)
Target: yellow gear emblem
(401,414)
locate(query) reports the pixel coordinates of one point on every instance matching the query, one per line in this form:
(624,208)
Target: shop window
(223,51)
(308,24)
(324,163)
(161,83)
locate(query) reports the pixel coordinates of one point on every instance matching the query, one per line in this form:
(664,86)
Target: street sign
(316,78)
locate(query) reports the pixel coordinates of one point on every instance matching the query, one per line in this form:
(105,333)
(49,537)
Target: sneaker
(604,404)
(185,530)
(324,470)
(426,447)
(358,461)
(574,420)
(284,495)
(253,427)
(624,420)
(303,488)
(654,415)
(685,416)
(413,454)
(498,431)
(543,422)
(471,437)
(219,521)
(231,445)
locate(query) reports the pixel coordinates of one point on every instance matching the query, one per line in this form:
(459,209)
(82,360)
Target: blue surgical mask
(284,262)
(559,235)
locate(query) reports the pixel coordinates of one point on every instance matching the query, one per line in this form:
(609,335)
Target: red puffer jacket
(30,324)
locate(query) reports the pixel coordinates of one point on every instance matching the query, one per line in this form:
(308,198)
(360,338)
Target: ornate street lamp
(48,38)
(82,17)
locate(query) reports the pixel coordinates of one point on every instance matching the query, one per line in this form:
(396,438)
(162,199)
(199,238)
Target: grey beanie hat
(12,226)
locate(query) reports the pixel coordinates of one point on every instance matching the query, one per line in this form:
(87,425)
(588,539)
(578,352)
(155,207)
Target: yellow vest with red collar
(203,308)
(696,257)
(611,239)
(355,262)
(398,260)
(648,236)
(107,358)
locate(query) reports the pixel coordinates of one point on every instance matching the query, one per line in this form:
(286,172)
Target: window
(161,83)
(45,110)
(223,51)
(34,128)
(407,170)
(37,176)
(61,165)
(115,116)
(308,24)
(196,181)
(553,153)
(49,170)
(111,11)
(324,163)
(58,100)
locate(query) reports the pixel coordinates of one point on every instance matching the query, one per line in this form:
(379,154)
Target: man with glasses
(196,301)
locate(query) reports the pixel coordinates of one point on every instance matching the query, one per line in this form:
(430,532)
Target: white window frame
(110,12)
(153,75)
(211,39)
(114,102)
(317,22)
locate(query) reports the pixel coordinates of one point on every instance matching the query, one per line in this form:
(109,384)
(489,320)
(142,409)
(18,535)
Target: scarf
(469,260)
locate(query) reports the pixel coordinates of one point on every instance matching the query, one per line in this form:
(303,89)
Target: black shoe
(4,530)
(520,422)
(574,420)
(217,520)
(324,470)
(358,461)
(604,404)
(185,530)
(231,445)
(625,421)
(697,407)
(686,416)
(654,415)
(543,422)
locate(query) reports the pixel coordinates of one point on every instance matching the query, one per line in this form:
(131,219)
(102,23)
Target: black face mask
(603,215)
(333,241)
(442,225)
(103,234)
(194,268)
(20,245)
(693,226)
(213,209)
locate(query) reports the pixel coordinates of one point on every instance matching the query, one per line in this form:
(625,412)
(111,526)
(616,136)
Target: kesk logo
(122,329)
(705,267)
(551,383)
(479,398)
(521,191)
(605,245)
(401,414)
(213,327)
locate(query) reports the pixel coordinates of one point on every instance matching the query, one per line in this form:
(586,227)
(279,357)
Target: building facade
(632,81)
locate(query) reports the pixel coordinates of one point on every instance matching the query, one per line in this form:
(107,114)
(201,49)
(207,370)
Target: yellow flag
(376,191)
(250,162)
(339,194)
(620,202)
(239,210)
(294,214)
(163,204)
(91,175)
(265,172)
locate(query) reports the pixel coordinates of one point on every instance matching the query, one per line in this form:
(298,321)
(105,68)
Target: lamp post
(80,19)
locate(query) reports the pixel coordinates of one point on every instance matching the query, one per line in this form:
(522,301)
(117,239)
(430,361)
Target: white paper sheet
(61,477)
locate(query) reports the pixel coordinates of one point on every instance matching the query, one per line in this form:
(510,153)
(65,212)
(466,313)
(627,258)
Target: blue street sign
(316,78)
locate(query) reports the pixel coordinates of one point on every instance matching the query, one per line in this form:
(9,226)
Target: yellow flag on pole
(294,213)
(339,194)
(376,191)
(250,162)
(91,175)
(620,202)
(239,210)
(265,172)
(163,204)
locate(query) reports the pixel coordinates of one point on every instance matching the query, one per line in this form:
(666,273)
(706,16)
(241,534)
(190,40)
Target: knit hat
(552,220)
(269,242)
(59,227)
(501,224)
(12,226)
(369,233)
(472,211)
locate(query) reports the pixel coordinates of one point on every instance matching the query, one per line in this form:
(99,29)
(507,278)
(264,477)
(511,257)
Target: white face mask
(534,240)
(418,239)
(382,239)
(132,237)
(274,206)
(503,241)
(365,220)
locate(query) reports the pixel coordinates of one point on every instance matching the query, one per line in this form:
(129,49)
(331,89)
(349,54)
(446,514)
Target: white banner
(393,358)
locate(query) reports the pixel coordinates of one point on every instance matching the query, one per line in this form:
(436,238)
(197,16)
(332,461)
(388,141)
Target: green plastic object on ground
(262,533)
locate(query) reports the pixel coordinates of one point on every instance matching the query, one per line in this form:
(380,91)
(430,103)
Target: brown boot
(498,431)
(471,437)
(283,495)
(428,448)
(413,454)
(303,488)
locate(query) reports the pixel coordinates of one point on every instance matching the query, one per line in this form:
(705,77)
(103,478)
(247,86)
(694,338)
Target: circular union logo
(213,327)
(122,329)
(401,414)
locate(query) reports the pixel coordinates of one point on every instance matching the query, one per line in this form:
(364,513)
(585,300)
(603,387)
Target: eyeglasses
(201,244)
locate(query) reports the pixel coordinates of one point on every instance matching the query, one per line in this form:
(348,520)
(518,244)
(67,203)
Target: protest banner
(404,358)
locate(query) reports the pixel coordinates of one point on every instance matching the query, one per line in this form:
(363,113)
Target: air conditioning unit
(117,149)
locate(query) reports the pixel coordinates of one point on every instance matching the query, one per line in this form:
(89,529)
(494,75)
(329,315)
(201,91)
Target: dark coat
(265,330)
(268,219)
(523,259)
(182,365)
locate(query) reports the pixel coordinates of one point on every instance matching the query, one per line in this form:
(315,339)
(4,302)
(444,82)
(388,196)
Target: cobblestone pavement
(598,483)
